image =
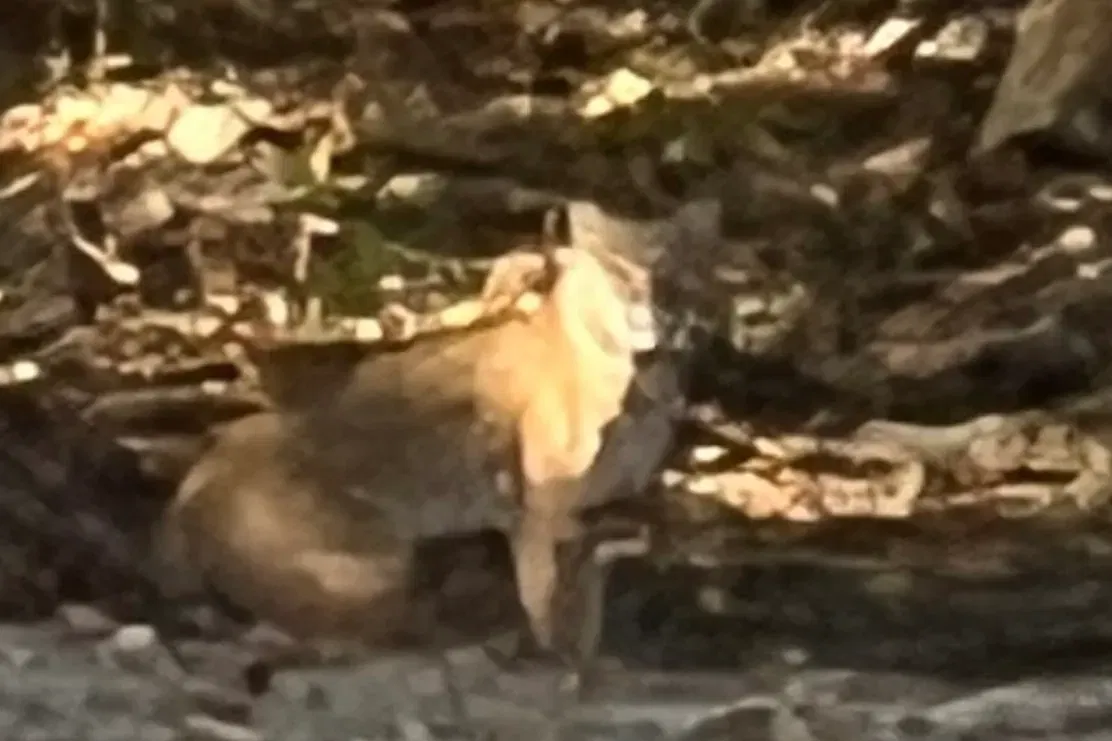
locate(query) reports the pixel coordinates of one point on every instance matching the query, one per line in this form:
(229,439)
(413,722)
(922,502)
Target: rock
(85,620)
(1077,238)
(961,40)
(218,730)
(138,647)
(1055,85)
(218,700)
(135,638)
(18,657)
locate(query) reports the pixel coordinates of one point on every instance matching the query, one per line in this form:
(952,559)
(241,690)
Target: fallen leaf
(204,133)
(621,89)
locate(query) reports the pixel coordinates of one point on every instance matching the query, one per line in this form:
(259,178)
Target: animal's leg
(535,543)
(539,542)
(561,573)
(589,564)
(553,459)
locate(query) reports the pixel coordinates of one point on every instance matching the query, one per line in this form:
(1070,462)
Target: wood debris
(1014,466)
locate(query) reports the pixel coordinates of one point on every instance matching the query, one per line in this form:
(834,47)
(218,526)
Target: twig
(100,61)
(936,443)
(121,272)
(867,444)
(309,225)
(123,406)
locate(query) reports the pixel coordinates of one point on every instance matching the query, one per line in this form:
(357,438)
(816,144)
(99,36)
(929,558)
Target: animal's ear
(587,223)
(595,230)
(695,226)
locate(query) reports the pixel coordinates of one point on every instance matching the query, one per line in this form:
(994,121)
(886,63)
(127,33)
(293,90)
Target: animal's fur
(310,518)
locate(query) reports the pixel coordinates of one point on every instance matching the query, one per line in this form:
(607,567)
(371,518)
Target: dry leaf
(890,34)
(204,133)
(320,159)
(621,89)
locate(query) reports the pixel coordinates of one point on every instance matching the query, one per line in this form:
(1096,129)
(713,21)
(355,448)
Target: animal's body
(309,518)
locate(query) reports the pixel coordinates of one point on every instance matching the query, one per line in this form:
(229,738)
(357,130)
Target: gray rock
(85,620)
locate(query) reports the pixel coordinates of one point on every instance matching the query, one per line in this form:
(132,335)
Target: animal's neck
(596,353)
(593,341)
(575,351)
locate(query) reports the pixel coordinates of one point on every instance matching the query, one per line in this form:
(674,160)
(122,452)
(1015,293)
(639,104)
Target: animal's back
(420,434)
(253,521)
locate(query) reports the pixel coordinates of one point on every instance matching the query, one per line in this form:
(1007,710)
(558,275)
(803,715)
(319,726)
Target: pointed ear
(695,226)
(595,230)
(587,223)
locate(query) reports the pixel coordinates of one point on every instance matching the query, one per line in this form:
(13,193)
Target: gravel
(55,686)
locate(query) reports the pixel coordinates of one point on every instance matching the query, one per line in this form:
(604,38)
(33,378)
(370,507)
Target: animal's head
(594,304)
(682,248)
(678,254)
(604,307)
(597,309)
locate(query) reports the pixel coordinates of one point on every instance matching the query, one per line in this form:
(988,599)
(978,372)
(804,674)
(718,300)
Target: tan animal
(309,518)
